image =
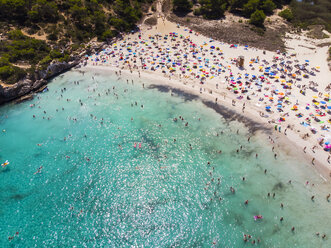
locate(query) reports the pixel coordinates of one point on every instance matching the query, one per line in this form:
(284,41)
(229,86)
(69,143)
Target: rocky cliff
(26,86)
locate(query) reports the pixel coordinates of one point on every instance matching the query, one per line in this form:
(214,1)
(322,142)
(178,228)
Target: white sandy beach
(273,96)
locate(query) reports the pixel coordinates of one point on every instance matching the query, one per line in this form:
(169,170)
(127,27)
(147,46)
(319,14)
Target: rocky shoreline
(28,86)
(24,89)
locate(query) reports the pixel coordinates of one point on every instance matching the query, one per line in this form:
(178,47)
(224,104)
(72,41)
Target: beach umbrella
(268,107)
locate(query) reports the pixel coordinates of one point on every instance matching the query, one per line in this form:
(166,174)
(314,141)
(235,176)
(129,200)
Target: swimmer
(38,171)
(246,202)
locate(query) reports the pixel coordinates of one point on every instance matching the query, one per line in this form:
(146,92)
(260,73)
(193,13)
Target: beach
(286,93)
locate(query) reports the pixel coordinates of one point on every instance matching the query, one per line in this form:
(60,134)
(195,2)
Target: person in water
(39,170)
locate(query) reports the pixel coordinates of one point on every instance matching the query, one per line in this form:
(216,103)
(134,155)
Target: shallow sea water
(97,190)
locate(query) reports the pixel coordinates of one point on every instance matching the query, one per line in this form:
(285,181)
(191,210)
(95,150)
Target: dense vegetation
(308,12)
(256,10)
(302,13)
(66,23)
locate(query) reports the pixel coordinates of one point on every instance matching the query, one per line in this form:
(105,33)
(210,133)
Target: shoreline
(249,118)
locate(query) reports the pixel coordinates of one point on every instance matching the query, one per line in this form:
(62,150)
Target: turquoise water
(97,190)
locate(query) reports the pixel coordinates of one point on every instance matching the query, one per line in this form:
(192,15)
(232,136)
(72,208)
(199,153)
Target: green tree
(236,4)
(44,11)
(257,18)
(213,9)
(183,6)
(250,7)
(268,7)
(286,14)
(11,74)
(16,34)
(13,10)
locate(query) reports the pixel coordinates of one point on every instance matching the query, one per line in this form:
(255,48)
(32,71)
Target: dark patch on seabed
(228,114)
(231,115)
(178,92)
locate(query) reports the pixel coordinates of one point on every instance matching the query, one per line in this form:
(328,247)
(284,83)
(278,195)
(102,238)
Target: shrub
(257,18)
(250,7)
(11,74)
(268,7)
(4,61)
(45,62)
(183,6)
(55,54)
(286,14)
(213,9)
(197,12)
(65,58)
(16,35)
(108,34)
(43,11)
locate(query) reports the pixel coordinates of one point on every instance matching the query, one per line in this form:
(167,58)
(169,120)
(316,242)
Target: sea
(109,160)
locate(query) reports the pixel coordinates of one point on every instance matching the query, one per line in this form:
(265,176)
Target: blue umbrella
(323,102)
(268,107)
(329,107)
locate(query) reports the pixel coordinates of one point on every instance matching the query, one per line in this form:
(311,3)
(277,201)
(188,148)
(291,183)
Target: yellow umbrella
(326,95)
(276,77)
(314,96)
(282,80)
